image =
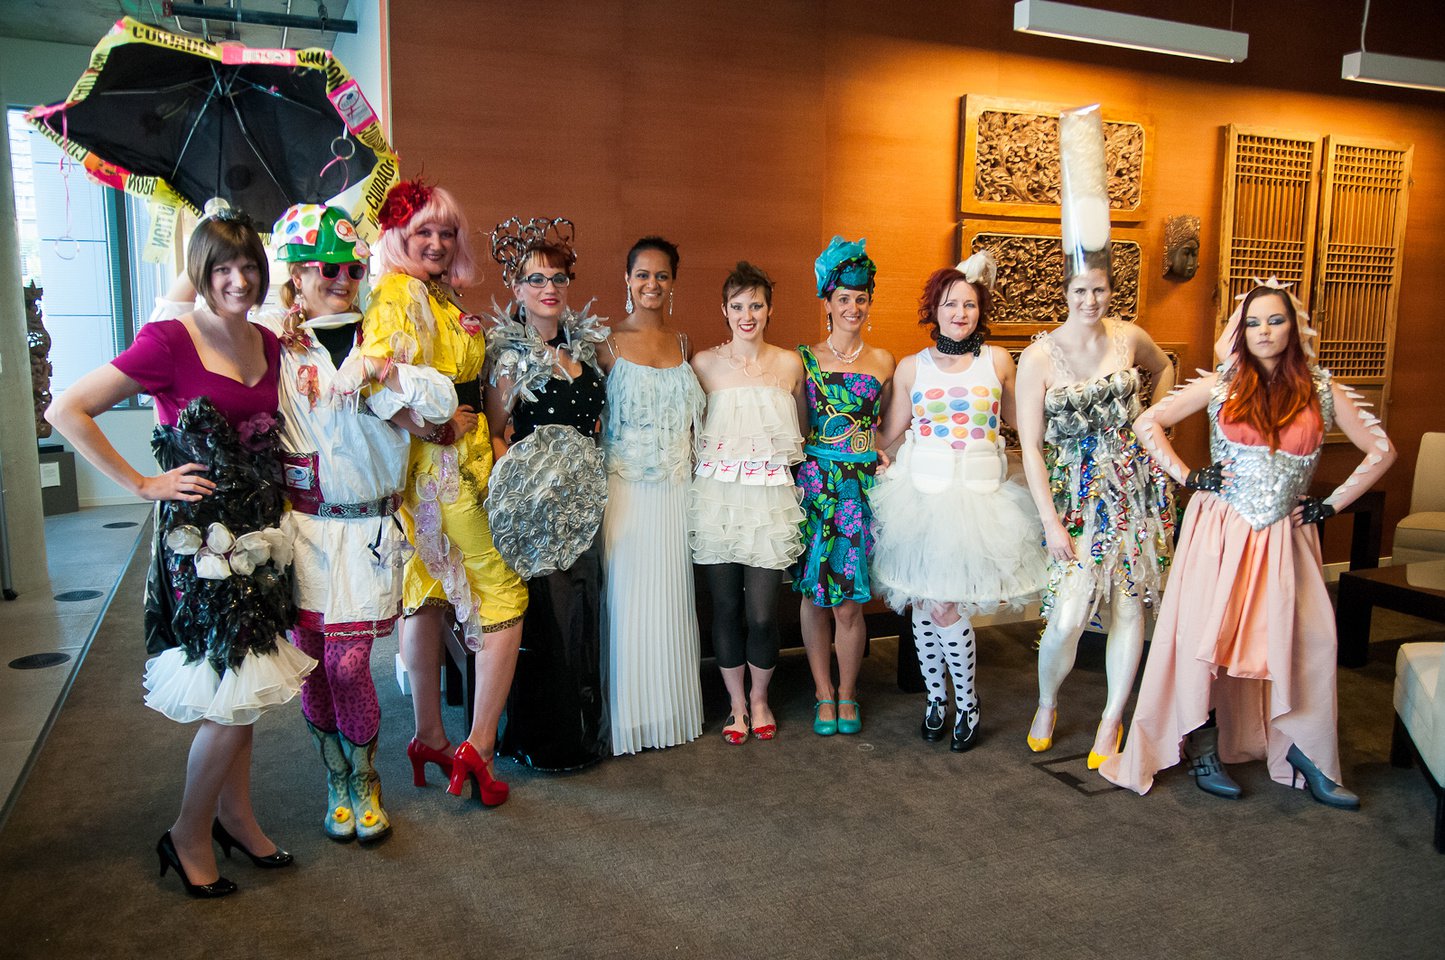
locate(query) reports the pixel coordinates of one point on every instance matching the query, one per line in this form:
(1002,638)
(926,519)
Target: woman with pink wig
(415,317)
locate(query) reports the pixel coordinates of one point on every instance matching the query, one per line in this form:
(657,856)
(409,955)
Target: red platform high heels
(420,755)
(466,762)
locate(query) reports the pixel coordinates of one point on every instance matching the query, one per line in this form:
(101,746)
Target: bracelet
(442,434)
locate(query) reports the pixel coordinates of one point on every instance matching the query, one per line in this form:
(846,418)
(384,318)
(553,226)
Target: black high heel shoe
(166,853)
(271,861)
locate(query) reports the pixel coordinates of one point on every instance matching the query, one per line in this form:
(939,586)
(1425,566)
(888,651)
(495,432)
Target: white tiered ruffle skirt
(187,692)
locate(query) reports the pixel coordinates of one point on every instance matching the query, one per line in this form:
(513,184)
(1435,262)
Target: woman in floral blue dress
(842,398)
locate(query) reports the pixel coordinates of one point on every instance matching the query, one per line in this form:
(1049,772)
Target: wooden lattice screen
(1268,222)
(1354,297)
(1329,216)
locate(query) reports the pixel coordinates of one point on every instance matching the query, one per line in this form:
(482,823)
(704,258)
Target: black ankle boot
(965,730)
(1202,748)
(935,720)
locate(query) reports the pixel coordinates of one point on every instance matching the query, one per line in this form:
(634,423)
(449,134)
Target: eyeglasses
(332,270)
(540,280)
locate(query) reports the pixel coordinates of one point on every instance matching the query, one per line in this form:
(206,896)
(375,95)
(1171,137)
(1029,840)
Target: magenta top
(164,361)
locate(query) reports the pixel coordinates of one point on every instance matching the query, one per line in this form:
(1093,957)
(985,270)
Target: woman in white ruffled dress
(654,404)
(222,596)
(744,519)
(954,537)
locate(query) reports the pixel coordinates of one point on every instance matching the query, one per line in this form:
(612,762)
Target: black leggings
(734,587)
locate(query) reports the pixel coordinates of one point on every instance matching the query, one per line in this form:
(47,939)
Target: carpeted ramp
(872,846)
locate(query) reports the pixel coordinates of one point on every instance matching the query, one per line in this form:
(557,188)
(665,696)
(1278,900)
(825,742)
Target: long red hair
(1266,401)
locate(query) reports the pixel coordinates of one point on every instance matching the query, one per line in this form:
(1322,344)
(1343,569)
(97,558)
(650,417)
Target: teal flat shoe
(825,728)
(856,724)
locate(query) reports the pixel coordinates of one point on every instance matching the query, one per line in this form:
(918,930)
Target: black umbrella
(159,114)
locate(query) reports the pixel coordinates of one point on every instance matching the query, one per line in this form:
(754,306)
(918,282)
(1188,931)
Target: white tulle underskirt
(979,550)
(187,692)
(760,526)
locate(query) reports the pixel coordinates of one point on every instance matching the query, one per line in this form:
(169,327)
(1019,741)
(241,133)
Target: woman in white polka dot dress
(954,536)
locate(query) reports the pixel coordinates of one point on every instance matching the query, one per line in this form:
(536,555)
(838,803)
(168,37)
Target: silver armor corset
(1266,486)
(1091,406)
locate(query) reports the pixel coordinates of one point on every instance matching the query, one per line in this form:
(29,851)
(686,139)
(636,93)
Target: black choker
(973,343)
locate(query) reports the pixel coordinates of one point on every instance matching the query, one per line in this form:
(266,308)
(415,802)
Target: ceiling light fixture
(1413,72)
(1069,22)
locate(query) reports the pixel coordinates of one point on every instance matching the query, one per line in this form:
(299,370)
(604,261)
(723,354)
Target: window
(81,243)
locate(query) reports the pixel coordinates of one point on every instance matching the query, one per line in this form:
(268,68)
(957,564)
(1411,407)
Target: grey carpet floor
(872,846)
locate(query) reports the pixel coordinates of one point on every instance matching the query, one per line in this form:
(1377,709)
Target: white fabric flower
(211,565)
(281,546)
(219,539)
(250,551)
(184,540)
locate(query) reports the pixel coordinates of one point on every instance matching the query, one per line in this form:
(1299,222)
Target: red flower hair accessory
(402,203)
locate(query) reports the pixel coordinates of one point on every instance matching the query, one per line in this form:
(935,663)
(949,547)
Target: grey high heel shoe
(1201,746)
(1321,787)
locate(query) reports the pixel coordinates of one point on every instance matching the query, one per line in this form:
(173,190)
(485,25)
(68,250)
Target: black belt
(469,393)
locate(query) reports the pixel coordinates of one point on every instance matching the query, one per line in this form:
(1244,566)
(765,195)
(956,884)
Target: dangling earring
(830,323)
(629,299)
(870,325)
(669,304)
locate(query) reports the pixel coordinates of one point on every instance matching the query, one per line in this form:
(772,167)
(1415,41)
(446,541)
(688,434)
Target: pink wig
(443,209)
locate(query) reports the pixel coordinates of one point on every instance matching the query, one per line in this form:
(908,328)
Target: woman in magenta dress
(225,584)
(1245,630)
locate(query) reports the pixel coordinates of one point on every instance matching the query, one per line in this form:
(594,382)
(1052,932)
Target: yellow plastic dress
(406,321)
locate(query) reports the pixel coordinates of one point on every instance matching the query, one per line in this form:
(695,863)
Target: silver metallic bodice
(1092,406)
(1267,484)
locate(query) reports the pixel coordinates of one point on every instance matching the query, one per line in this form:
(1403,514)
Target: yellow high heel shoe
(1040,744)
(1096,760)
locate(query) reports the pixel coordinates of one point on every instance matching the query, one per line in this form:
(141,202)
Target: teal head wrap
(844,264)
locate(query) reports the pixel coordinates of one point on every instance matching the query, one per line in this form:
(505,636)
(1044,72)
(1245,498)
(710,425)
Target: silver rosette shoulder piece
(545,500)
(517,352)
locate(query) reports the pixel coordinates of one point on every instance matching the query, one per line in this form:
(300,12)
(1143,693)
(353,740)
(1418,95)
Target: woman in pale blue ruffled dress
(653,404)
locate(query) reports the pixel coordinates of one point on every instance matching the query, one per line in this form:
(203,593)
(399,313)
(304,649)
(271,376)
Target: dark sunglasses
(332,270)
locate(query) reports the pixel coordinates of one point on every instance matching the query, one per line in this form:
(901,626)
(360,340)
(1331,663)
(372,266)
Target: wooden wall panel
(759,130)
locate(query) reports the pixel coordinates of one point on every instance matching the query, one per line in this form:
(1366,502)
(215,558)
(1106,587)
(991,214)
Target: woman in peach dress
(1245,630)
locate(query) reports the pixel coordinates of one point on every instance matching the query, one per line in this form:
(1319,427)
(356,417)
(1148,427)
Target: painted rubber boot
(340,822)
(371,820)
(1201,746)
(1321,787)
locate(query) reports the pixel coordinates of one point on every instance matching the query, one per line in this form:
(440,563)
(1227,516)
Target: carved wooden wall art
(1029,292)
(1009,160)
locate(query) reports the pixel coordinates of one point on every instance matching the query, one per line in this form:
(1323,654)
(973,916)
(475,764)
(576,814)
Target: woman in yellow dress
(414,316)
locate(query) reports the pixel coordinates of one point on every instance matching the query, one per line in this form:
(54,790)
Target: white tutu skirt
(982,551)
(760,526)
(187,692)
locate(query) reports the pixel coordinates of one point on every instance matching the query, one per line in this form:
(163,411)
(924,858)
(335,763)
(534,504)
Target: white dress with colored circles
(951,527)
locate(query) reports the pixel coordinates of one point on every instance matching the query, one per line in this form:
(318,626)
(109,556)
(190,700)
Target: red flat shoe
(735,737)
(466,762)
(766,732)
(420,755)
